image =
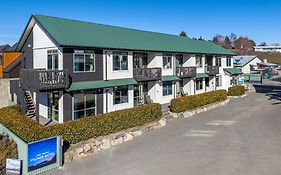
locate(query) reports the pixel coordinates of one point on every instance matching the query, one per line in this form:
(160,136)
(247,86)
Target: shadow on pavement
(272,91)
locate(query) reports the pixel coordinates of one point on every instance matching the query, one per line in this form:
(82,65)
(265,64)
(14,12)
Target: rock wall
(96,145)
(4,92)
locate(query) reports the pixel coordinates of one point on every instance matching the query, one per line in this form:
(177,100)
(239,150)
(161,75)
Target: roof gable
(87,34)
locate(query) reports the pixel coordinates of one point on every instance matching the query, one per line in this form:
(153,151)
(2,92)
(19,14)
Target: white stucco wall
(247,68)
(112,74)
(41,44)
(108,101)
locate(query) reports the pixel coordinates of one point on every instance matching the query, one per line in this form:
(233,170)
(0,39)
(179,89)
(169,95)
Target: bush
(186,103)
(8,149)
(236,91)
(82,129)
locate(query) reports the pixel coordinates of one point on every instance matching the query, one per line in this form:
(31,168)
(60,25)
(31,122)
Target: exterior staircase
(166,111)
(29,104)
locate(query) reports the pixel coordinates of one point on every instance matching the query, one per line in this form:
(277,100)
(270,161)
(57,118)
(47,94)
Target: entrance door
(140,60)
(53,60)
(179,60)
(53,105)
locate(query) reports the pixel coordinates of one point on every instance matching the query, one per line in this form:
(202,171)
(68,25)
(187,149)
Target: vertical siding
(84,76)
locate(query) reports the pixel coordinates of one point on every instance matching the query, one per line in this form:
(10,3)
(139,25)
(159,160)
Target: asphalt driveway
(242,137)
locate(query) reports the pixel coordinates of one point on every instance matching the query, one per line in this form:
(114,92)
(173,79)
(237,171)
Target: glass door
(53,60)
(53,105)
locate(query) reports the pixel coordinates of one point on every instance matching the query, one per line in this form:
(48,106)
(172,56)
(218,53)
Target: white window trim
(163,90)
(84,105)
(125,70)
(201,61)
(120,103)
(84,61)
(167,56)
(202,79)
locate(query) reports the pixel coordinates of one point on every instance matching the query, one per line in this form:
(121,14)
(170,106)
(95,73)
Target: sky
(257,19)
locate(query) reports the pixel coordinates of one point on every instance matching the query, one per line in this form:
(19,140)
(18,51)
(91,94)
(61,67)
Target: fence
(252,77)
(23,152)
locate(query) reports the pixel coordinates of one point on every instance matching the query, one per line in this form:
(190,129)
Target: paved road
(241,138)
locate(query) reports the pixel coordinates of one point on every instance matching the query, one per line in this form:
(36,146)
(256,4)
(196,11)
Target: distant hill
(272,57)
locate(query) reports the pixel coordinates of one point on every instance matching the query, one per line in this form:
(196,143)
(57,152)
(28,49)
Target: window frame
(218,60)
(228,61)
(219,79)
(85,104)
(201,84)
(121,95)
(53,53)
(200,58)
(84,53)
(166,57)
(120,53)
(168,91)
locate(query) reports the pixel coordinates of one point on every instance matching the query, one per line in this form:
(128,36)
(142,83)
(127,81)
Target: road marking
(221,122)
(200,133)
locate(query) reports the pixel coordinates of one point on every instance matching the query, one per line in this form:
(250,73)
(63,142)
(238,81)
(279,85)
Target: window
(120,61)
(84,105)
(167,88)
(198,61)
(207,81)
(199,84)
(228,61)
(167,61)
(120,95)
(84,61)
(218,61)
(53,59)
(218,81)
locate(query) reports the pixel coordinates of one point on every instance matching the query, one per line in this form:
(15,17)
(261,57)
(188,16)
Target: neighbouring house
(8,58)
(267,48)
(246,63)
(74,69)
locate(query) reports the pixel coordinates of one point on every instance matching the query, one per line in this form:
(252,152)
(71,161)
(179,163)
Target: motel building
(73,69)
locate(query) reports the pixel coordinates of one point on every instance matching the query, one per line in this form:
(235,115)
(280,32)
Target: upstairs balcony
(147,74)
(44,80)
(212,70)
(186,72)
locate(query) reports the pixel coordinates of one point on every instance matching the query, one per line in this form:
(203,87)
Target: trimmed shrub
(82,129)
(236,91)
(186,103)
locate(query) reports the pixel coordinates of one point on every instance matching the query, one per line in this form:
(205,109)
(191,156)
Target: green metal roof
(201,75)
(68,32)
(170,78)
(233,71)
(101,84)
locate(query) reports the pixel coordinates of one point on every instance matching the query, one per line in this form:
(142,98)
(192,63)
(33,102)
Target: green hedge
(236,91)
(82,129)
(186,103)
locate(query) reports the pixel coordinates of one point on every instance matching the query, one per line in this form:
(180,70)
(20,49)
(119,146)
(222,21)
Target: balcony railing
(185,72)
(40,79)
(212,70)
(147,74)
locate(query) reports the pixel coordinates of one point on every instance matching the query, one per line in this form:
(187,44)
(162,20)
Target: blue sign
(241,80)
(42,153)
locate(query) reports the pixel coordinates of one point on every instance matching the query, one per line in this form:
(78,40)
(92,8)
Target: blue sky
(257,19)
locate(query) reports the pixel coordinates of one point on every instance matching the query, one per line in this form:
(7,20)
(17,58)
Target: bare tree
(218,39)
(232,38)
(244,44)
(227,43)
(183,33)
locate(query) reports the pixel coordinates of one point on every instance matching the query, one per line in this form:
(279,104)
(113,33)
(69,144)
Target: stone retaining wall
(4,92)
(96,145)
(190,113)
